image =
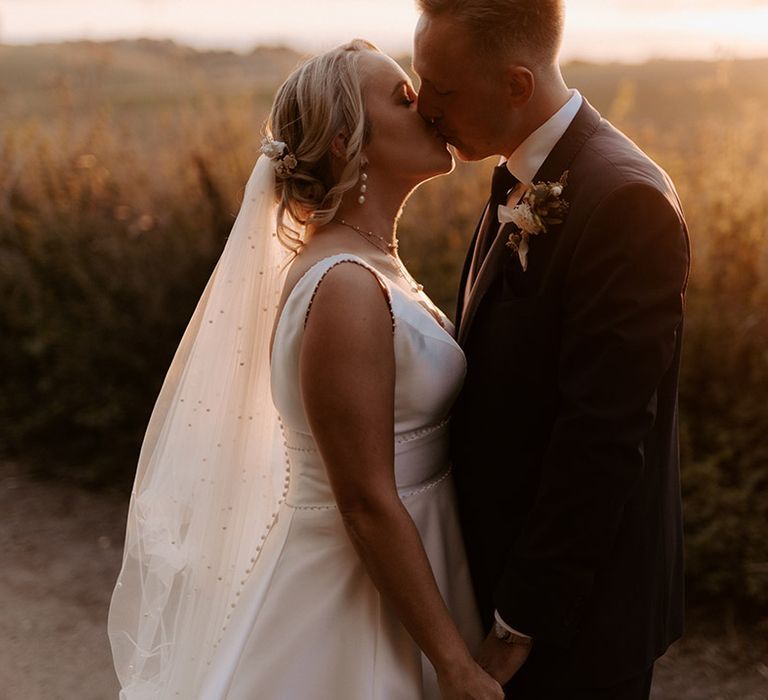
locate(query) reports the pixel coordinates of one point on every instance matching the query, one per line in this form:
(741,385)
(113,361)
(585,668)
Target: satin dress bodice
(430,371)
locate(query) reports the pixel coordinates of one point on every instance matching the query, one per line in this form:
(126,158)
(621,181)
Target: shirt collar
(530,155)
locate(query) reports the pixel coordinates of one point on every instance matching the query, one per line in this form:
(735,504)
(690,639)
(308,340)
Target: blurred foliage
(121,169)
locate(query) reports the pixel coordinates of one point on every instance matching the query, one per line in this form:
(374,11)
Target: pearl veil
(211,472)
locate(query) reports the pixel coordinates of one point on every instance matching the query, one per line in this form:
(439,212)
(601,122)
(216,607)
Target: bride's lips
(436,133)
(439,138)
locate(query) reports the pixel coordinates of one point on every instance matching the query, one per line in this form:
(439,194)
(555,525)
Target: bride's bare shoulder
(348,300)
(314,253)
(347,277)
(349,308)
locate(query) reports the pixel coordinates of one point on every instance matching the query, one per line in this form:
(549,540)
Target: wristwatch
(503,634)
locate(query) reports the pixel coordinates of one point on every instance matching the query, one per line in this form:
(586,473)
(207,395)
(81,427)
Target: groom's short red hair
(504,27)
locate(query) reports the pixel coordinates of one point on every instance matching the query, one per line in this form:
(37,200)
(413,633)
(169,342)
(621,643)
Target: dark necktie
(502,183)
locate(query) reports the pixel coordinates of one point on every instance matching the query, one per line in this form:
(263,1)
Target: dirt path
(60,549)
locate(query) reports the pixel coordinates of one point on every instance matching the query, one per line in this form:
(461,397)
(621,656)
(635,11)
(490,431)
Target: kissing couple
(342,496)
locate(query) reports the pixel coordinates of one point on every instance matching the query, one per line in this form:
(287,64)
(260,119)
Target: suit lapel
(467,269)
(484,278)
(584,124)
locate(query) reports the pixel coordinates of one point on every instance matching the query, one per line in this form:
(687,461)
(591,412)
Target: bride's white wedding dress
(310,624)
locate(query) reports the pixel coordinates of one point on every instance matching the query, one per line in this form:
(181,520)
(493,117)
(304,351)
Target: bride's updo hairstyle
(319,100)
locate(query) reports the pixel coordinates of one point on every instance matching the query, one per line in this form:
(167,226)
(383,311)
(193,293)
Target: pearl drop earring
(363,185)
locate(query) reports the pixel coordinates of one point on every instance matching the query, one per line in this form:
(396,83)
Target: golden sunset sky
(597,29)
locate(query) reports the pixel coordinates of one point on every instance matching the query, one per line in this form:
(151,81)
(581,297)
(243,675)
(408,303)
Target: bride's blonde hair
(319,100)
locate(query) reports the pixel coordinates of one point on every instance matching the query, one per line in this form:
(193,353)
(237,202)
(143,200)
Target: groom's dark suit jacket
(565,436)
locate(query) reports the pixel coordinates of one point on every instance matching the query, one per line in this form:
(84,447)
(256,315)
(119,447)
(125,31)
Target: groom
(565,441)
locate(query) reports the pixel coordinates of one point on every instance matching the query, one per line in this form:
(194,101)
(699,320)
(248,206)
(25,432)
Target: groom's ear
(520,83)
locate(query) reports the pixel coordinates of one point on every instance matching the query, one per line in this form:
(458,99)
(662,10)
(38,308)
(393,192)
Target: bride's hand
(468,682)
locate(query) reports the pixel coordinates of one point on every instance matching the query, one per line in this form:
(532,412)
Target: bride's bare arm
(347,370)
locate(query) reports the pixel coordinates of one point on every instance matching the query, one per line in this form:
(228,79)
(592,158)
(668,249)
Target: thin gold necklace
(391,247)
(391,251)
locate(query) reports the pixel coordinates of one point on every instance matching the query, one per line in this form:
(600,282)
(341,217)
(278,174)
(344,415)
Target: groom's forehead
(441,45)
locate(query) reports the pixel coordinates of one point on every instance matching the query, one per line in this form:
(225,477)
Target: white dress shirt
(530,155)
(524,163)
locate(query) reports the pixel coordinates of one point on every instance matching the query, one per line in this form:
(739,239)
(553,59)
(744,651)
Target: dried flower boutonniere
(542,205)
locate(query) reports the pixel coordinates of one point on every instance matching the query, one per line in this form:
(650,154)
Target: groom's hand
(500,659)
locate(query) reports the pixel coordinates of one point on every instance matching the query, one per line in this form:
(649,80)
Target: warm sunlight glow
(636,32)
(621,30)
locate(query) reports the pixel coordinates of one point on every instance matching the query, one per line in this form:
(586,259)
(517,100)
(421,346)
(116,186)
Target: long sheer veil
(211,472)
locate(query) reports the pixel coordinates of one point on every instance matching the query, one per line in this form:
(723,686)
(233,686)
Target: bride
(292,531)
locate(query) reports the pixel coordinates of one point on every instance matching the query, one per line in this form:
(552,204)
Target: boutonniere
(542,205)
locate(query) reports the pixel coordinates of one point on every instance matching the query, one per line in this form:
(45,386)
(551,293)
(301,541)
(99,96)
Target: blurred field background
(122,165)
